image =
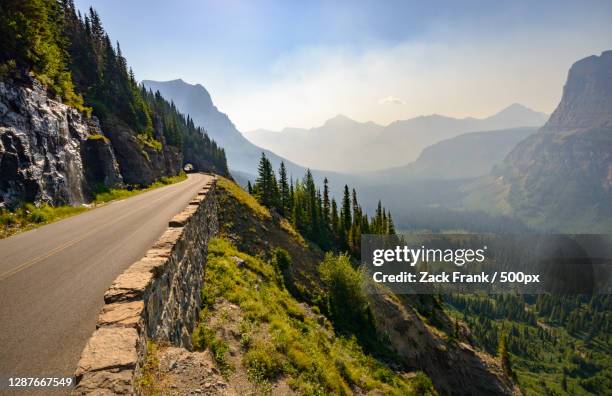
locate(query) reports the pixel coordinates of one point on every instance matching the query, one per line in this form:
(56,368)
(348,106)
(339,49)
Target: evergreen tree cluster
(100,72)
(332,226)
(581,315)
(32,39)
(506,306)
(73,56)
(567,337)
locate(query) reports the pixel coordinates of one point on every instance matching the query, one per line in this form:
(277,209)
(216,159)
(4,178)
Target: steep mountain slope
(561,177)
(267,324)
(465,156)
(194,100)
(345,145)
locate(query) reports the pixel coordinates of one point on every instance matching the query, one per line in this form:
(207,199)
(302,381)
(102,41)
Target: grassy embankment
(29,216)
(259,333)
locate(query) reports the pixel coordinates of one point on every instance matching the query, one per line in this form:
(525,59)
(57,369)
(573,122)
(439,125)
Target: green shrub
(347,302)
(148,382)
(263,362)
(282,259)
(205,338)
(149,141)
(97,136)
(165,180)
(422,385)
(282,262)
(8,218)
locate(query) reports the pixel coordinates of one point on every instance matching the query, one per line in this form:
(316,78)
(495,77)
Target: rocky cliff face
(140,163)
(455,368)
(561,177)
(49,152)
(587,96)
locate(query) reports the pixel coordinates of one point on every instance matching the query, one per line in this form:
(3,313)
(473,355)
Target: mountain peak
(339,119)
(519,115)
(587,95)
(516,108)
(187,96)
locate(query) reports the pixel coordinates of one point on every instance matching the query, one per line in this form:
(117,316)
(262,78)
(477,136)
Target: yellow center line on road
(68,244)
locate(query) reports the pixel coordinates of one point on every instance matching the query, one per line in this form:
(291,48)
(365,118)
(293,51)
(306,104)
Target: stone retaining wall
(157,298)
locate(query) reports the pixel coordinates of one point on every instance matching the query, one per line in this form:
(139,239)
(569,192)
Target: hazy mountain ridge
(345,145)
(465,156)
(242,155)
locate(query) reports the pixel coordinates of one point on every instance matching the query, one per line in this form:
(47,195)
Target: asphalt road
(53,279)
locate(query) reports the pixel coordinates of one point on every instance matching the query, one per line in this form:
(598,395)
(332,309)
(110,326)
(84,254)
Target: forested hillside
(555,345)
(284,315)
(74,58)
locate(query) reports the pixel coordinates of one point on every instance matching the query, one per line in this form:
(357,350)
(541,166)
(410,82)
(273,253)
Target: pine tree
(311,206)
(377,222)
(291,193)
(326,202)
(356,209)
(335,221)
(266,188)
(284,191)
(346,209)
(390,225)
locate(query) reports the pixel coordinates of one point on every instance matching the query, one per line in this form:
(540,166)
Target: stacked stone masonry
(157,298)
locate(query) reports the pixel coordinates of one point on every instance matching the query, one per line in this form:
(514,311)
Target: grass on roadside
(149,380)
(104,195)
(29,216)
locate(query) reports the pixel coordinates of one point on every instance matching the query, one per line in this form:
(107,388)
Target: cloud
(391,100)
(446,74)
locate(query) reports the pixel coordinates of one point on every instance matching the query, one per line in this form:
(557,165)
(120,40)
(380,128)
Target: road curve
(52,279)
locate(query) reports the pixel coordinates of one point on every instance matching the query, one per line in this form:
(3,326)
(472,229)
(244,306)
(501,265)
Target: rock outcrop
(49,152)
(587,96)
(140,163)
(157,298)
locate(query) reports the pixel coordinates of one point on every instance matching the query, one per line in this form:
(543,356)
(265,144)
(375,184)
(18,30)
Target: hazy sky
(272,64)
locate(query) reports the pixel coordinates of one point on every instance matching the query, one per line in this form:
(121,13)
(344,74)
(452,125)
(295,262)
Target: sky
(290,63)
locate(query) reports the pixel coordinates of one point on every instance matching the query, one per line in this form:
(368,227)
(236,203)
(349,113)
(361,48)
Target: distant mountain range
(557,177)
(467,155)
(344,145)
